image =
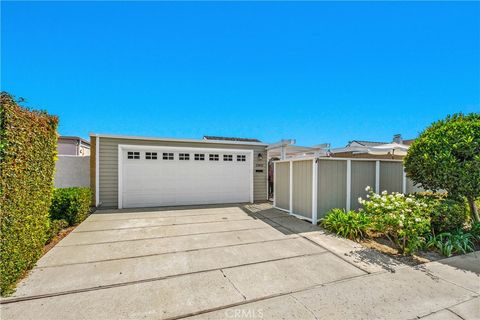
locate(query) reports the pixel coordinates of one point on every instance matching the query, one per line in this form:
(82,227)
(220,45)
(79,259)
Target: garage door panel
(182,182)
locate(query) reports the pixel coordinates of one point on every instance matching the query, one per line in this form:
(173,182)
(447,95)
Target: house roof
(74,138)
(230,139)
(116,136)
(366,143)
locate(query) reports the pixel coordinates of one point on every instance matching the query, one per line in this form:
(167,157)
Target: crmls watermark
(244,313)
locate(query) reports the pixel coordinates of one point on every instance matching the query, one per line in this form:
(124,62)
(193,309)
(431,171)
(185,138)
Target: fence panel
(391,176)
(332,185)
(302,188)
(363,175)
(282,185)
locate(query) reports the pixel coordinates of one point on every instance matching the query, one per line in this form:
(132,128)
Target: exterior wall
(282,185)
(108,165)
(391,176)
(363,175)
(302,188)
(84,151)
(332,186)
(72,171)
(67,147)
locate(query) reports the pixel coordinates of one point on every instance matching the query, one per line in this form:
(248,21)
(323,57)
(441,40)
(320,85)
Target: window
(227,157)
(199,157)
(241,158)
(151,155)
(184,156)
(167,156)
(133,155)
(213,157)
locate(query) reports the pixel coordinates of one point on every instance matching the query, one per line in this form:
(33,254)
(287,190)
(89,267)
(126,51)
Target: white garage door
(154,176)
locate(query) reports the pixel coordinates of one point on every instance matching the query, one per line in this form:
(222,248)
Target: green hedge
(28,147)
(71,204)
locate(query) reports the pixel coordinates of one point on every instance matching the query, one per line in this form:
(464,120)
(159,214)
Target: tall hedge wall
(28,148)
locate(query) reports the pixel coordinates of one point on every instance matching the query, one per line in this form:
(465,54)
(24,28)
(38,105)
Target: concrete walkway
(233,262)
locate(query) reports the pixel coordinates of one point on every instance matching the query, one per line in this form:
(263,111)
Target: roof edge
(118,136)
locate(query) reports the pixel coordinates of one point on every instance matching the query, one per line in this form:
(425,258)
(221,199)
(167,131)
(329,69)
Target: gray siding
(332,185)
(282,185)
(363,175)
(391,176)
(108,165)
(302,188)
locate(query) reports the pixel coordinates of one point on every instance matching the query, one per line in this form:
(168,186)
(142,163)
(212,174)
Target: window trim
(168,156)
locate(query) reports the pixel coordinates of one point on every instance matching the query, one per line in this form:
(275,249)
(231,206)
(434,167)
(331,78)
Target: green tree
(446,156)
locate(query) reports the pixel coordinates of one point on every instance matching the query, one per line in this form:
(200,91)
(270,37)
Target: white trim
(120,178)
(404,181)
(274,183)
(252,172)
(344,159)
(285,210)
(121,147)
(291,187)
(349,184)
(314,191)
(116,136)
(377,176)
(97,171)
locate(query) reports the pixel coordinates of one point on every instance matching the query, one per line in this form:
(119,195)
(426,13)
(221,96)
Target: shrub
(28,146)
(403,219)
(475,231)
(351,224)
(447,156)
(449,243)
(71,204)
(55,227)
(446,213)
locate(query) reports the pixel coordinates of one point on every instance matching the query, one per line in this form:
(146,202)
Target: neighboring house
(73,146)
(360,149)
(128,172)
(72,169)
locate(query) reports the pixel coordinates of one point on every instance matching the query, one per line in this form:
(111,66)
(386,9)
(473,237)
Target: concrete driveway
(232,262)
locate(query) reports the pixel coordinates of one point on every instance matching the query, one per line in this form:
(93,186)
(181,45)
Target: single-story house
(131,171)
(365,149)
(73,146)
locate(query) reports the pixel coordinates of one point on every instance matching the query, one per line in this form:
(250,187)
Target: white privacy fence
(310,187)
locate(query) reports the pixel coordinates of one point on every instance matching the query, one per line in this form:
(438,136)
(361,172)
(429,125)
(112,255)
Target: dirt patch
(385,246)
(62,234)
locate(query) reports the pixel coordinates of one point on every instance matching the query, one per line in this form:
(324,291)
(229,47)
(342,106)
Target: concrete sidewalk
(233,262)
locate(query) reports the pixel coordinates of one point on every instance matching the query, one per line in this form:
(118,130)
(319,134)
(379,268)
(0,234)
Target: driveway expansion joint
(165,253)
(161,225)
(123,284)
(159,237)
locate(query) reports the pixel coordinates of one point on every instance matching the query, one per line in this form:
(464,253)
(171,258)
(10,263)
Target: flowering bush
(405,220)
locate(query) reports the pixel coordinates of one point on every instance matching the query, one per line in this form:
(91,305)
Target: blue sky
(313,71)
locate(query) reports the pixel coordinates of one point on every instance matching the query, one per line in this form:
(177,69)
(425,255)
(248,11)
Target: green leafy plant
(475,231)
(71,204)
(446,156)
(447,213)
(28,146)
(404,220)
(55,227)
(448,243)
(351,224)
